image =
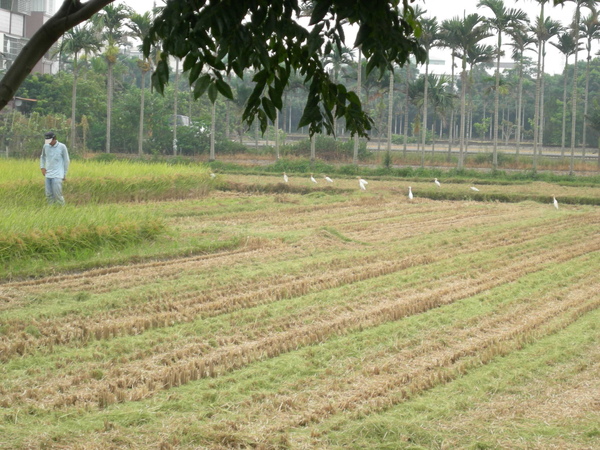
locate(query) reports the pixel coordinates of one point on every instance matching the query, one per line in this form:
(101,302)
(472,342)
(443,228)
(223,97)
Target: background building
(19,20)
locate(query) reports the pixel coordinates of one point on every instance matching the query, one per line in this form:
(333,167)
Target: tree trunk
(256,135)
(227,113)
(574,93)
(585,101)
(463,108)
(74,103)
(142,103)
(452,115)
(69,15)
(406,109)
(536,115)
(175,103)
(213,122)
(276,133)
(497,105)
(390,111)
(285,111)
(358,89)
(564,117)
(542,109)
(425,101)
(519,106)
(190,103)
(109,105)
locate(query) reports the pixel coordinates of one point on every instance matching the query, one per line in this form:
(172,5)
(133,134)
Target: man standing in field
(54,163)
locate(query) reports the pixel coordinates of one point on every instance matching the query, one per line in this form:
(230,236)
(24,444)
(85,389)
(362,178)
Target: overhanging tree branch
(264,39)
(70,14)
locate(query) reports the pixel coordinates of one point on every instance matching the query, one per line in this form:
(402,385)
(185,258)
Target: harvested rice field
(340,318)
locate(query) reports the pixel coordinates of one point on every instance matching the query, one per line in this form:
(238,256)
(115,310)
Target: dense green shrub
(228,147)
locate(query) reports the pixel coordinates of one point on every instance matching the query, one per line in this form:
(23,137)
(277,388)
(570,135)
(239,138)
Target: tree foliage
(70,14)
(219,37)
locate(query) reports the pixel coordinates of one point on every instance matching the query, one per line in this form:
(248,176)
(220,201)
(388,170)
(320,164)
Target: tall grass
(51,232)
(21,182)
(91,220)
(13,170)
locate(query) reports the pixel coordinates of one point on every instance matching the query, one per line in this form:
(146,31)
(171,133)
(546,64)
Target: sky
(141,6)
(447,9)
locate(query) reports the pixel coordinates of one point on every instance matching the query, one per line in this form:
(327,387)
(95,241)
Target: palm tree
(390,110)
(140,26)
(467,33)
(502,20)
(449,39)
(567,46)
(521,40)
(538,84)
(576,23)
(110,21)
(590,30)
(545,31)
(442,100)
(477,54)
(242,90)
(418,13)
(213,130)
(416,92)
(594,122)
(76,40)
(358,92)
(337,60)
(410,75)
(428,39)
(175,105)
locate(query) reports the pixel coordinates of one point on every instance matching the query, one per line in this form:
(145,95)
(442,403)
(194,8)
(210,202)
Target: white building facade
(19,20)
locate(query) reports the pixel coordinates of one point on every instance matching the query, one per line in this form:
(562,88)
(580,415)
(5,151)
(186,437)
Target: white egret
(410,194)
(313,179)
(329,180)
(362,183)
(437,183)
(555,202)
(473,188)
(285,177)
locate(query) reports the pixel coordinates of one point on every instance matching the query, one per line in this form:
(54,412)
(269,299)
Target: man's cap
(49,135)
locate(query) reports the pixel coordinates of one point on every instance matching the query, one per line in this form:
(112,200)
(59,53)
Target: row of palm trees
(106,34)
(464,36)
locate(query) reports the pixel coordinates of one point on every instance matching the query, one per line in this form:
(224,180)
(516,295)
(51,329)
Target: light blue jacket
(55,159)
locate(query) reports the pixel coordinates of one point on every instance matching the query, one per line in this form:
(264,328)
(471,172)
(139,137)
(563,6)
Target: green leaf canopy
(268,39)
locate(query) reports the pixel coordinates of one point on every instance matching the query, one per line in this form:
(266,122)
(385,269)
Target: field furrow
(136,380)
(168,309)
(327,319)
(106,279)
(395,381)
